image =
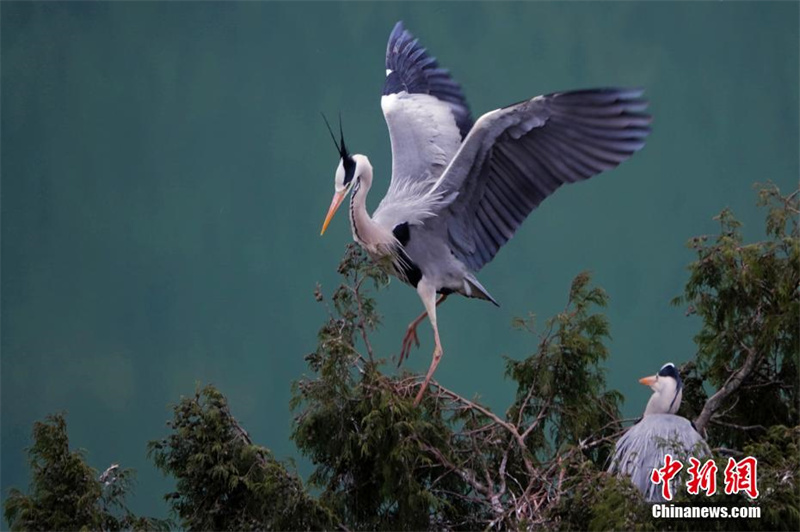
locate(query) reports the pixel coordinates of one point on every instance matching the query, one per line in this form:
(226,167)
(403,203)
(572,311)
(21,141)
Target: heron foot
(409,339)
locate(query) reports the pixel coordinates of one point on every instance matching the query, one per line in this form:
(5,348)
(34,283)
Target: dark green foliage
(360,427)
(778,455)
(694,393)
(224,481)
(451,463)
(372,470)
(554,383)
(594,500)
(66,493)
(747,298)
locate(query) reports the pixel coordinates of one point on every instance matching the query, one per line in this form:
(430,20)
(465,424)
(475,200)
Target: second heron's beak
(338,197)
(648,381)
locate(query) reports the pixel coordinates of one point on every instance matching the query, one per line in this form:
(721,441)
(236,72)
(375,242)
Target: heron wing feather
(643,447)
(515,157)
(427,116)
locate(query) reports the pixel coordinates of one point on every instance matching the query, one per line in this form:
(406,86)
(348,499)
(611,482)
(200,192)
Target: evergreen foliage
(553,384)
(224,481)
(452,463)
(778,455)
(747,298)
(360,427)
(66,493)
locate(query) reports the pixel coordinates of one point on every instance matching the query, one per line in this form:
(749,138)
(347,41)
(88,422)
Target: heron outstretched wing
(427,116)
(514,157)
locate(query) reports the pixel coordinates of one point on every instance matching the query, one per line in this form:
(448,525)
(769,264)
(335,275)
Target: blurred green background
(165,172)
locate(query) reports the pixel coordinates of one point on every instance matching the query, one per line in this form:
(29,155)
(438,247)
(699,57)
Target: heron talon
(409,338)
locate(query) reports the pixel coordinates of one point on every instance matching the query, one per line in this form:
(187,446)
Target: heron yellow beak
(648,381)
(338,197)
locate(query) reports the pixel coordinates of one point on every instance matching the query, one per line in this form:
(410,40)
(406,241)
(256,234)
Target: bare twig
(737,427)
(465,474)
(539,418)
(727,451)
(474,406)
(524,453)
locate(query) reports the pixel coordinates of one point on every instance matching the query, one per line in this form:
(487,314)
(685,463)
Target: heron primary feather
(460,190)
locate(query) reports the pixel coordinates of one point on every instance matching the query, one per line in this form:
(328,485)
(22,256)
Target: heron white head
(667,390)
(349,172)
(642,448)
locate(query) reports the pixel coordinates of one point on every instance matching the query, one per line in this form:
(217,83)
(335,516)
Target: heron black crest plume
(340,146)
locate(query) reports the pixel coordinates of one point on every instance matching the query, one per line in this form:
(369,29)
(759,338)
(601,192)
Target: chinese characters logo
(739,476)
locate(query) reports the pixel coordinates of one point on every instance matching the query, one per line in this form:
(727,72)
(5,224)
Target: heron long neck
(365,231)
(665,401)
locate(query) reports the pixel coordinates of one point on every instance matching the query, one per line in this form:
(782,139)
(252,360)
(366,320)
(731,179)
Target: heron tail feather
(476,289)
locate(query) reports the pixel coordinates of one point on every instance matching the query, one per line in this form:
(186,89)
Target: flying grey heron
(459,190)
(643,447)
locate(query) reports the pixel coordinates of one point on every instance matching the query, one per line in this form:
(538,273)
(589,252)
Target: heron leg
(411,333)
(428,295)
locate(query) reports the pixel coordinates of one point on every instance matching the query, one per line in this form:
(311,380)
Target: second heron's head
(667,390)
(351,170)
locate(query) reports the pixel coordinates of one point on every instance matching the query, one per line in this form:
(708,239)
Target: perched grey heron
(460,189)
(643,447)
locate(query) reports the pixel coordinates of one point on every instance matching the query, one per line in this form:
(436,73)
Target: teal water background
(165,172)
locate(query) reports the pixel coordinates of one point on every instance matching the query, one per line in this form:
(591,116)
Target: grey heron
(460,189)
(643,447)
